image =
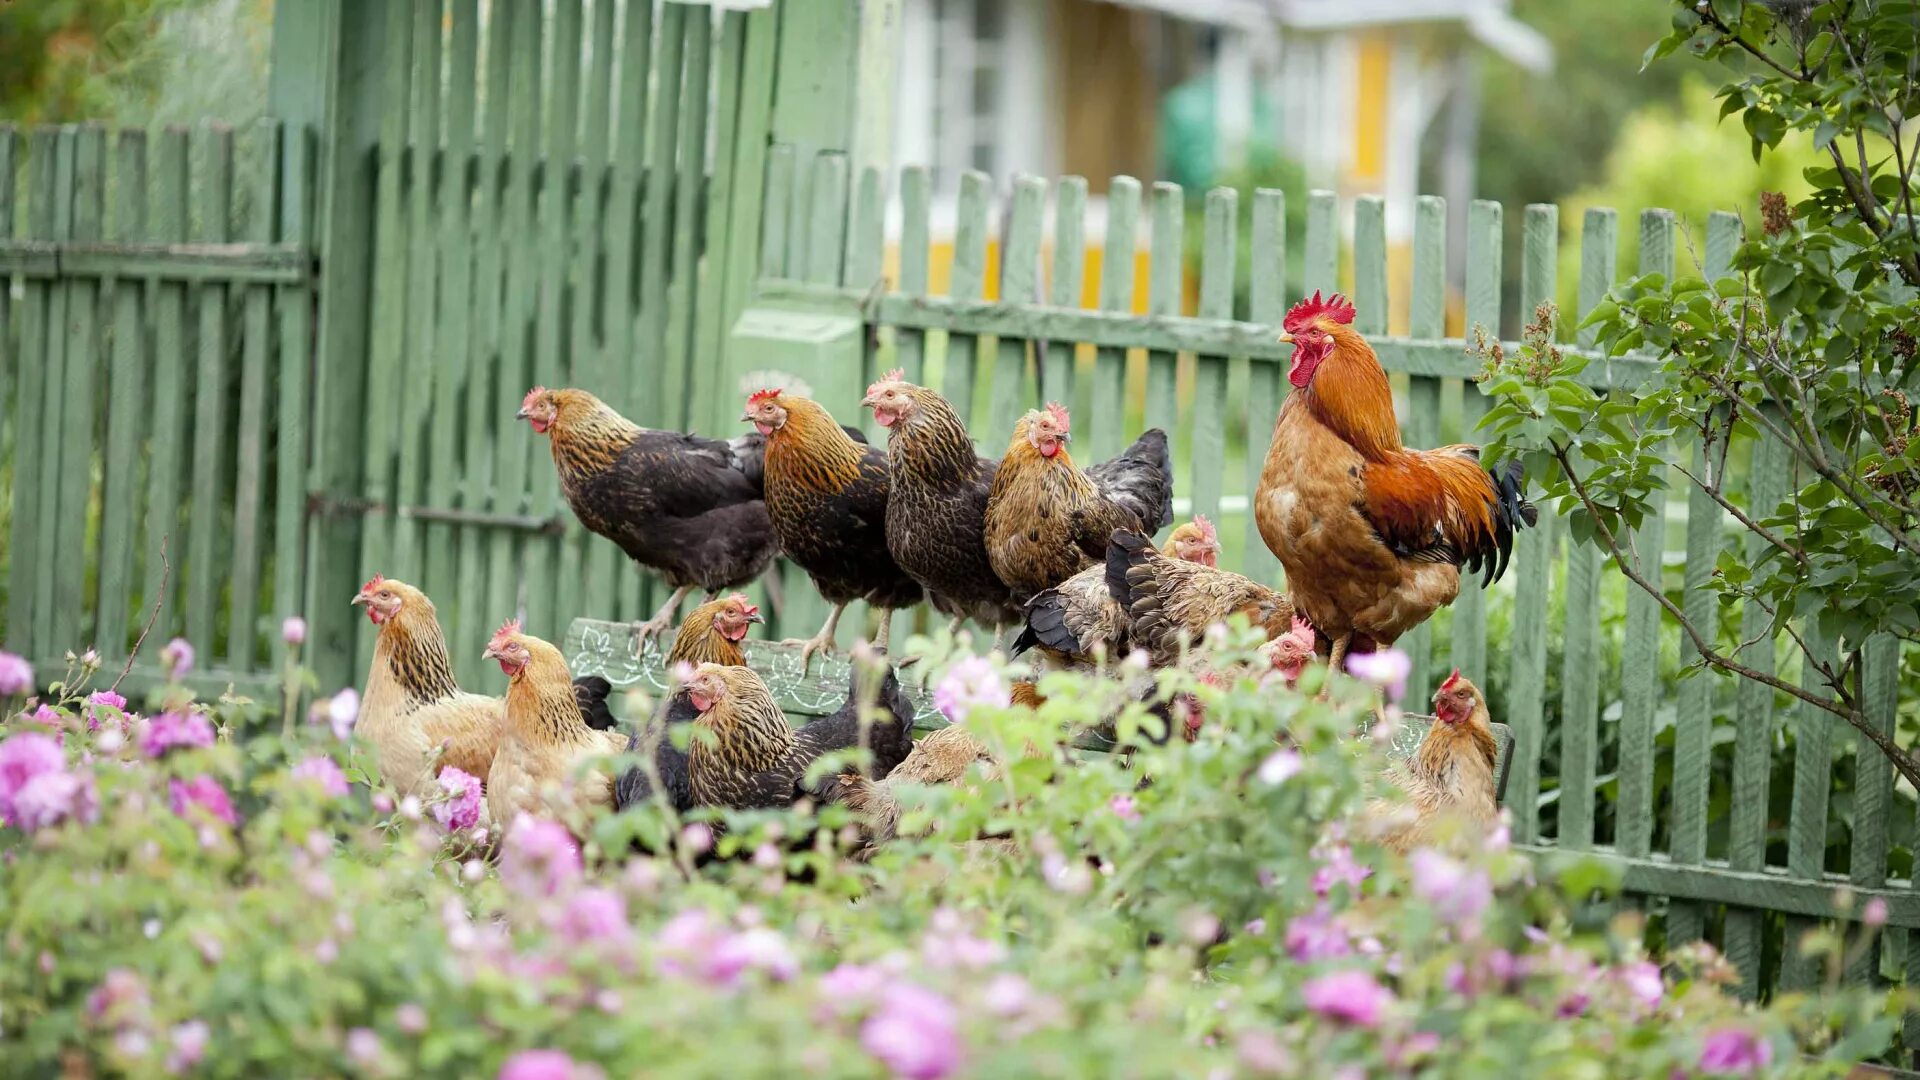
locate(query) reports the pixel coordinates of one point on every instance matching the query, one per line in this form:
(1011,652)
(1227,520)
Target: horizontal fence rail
(1684,796)
(157,346)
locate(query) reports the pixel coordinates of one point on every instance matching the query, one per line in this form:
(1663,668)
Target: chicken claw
(661,619)
(821,642)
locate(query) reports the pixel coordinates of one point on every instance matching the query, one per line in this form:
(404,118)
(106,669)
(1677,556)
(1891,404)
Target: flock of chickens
(1372,536)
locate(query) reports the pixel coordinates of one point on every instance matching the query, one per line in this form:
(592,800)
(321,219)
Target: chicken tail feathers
(1047,625)
(591,692)
(1512,513)
(1124,549)
(1140,479)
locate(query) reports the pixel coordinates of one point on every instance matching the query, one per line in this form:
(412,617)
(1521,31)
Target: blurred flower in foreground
(969,683)
(1387,669)
(1458,892)
(540,857)
(36,790)
(1735,1052)
(177,657)
(545,1065)
(322,770)
(1348,997)
(915,1033)
(202,793)
(293,630)
(16,675)
(461,808)
(175,731)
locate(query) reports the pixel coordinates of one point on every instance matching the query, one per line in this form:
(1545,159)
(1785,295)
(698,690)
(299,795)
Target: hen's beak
(746,418)
(754,616)
(522,414)
(1286,338)
(359,599)
(867,402)
(490,654)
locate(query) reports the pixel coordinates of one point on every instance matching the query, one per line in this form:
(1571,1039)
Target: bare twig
(159,599)
(1713,492)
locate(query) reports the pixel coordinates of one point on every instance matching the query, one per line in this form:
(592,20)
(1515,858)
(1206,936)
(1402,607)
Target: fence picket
(1008,395)
(1807,828)
(553,563)
(1872,775)
(1323,243)
(826,219)
(1116,294)
(692,164)
(1164,267)
(1532,555)
(72,626)
(1059,374)
(294,305)
(1427,314)
(418,376)
(250,449)
(916,198)
(166,221)
(1370,265)
(453,336)
(31,446)
(661,181)
(52,621)
(1208,419)
(1267,304)
(1640,649)
(205,566)
(127,403)
(11,349)
(1485,241)
(967,282)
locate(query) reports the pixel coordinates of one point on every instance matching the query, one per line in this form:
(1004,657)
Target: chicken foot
(661,619)
(1335,658)
(821,642)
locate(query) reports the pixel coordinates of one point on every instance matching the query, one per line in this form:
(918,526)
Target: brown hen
(1078,625)
(538,768)
(1449,781)
(712,632)
(1171,603)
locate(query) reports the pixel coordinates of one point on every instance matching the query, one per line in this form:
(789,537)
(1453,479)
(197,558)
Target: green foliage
(1177,927)
(134,61)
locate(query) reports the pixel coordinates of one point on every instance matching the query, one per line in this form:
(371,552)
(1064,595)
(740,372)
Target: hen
(1047,520)
(1372,535)
(827,497)
(537,768)
(942,757)
(712,632)
(1291,652)
(886,732)
(654,742)
(1078,622)
(746,759)
(1450,778)
(1170,603)
(684,506)
(937,503)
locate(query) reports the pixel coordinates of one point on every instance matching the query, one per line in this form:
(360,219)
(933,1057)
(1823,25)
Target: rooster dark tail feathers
(1512,512)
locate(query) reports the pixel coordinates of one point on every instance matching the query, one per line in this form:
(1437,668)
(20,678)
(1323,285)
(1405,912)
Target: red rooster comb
(1205,528)
(378,580)
(759,396)
(1336,307)
(1453,680)
(508,629)
(533,395)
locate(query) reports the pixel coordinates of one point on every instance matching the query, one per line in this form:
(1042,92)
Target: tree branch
(159,598)
(1740,515)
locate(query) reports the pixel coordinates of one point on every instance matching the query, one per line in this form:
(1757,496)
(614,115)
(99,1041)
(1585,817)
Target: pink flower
(1006,995)
(1458,892)
(540,858)
(915,1033)
(1122,807)
(595,915)
(51,798)
(1874,915)
(101,700)
(1642,981)
(1316,936)
(1387,669)
(410,1018)
(120,992)
(177,658)
(539,1065)
(759,949)
(1261,1051)
(971,682)
(1735,1052)
(203,794)
(697,838)
(293,630)
(687,942)
(1279,767)
(24,756)
(189,1046)
(343,710)
(1348,997)
(1337,867)
(321,770)
(170,731)
(850,987)
(460,809)
(16,675)
(363,1046)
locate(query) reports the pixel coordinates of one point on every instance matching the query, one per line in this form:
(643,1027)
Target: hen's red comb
(1303,628)
(1059,414)
(1452,680)
(759,396)
(377,581)
(1304,313)
(1206,529)
(740,600)
(532,396)
(507,629)
(896,375)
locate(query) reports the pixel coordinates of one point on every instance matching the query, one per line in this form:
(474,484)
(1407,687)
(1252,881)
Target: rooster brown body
(1372,535)
(1450,778)
(1047,520)
(547,743)
(685,507)
(1170,603)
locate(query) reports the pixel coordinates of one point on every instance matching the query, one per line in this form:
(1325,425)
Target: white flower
(1281,765)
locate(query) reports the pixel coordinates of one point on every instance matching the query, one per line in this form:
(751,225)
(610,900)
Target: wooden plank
(968,282)
(1323,244)
(1007,395)
(1427,313)
(1164,278)
(1266,388)
(590,362)
(294,307)
(250,448)
(741,191)
(1485,241)
(624,375)
(1219,262)
(1693,723)
(661,183)
(1640,650)
(167,220)
(18,356)
(72,614)
(419,371)
(1058,370)
(779,221)
(263,264)
(1872,781)
(1116,301)
(827,219)
(692,165)
(916,200)
(206,567)
(1370,266)
(127,403)
(1532,558)
(867,239)
(1807,823)
(53,153)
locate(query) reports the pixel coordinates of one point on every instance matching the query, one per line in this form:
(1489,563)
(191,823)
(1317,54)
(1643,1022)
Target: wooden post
(326,62)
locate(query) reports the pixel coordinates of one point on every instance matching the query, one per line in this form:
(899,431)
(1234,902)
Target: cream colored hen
(541,766)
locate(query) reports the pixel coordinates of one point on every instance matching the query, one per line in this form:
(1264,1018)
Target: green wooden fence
(154,365)
(1586,755)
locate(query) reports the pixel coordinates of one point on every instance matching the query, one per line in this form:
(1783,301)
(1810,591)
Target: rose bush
(185,893)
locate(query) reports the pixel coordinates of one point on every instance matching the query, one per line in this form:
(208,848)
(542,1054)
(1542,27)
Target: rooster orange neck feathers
(1340,378)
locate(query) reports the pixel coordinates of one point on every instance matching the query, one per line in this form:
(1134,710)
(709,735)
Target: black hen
(889,737)
(635,786)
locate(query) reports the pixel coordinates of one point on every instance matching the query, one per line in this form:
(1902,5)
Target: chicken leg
(821,642)
(661,619)
(1335,658)
(886,629)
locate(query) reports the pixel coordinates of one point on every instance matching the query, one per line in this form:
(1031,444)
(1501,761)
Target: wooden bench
(606,649)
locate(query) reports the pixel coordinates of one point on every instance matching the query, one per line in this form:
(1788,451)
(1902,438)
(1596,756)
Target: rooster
(546,741)
(1170,603)
(827,496)
(682,505)
(1078,624)
(937,503)
(1449,777)
(411,707)
(1372,535)
(712,632)
(1047,520)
